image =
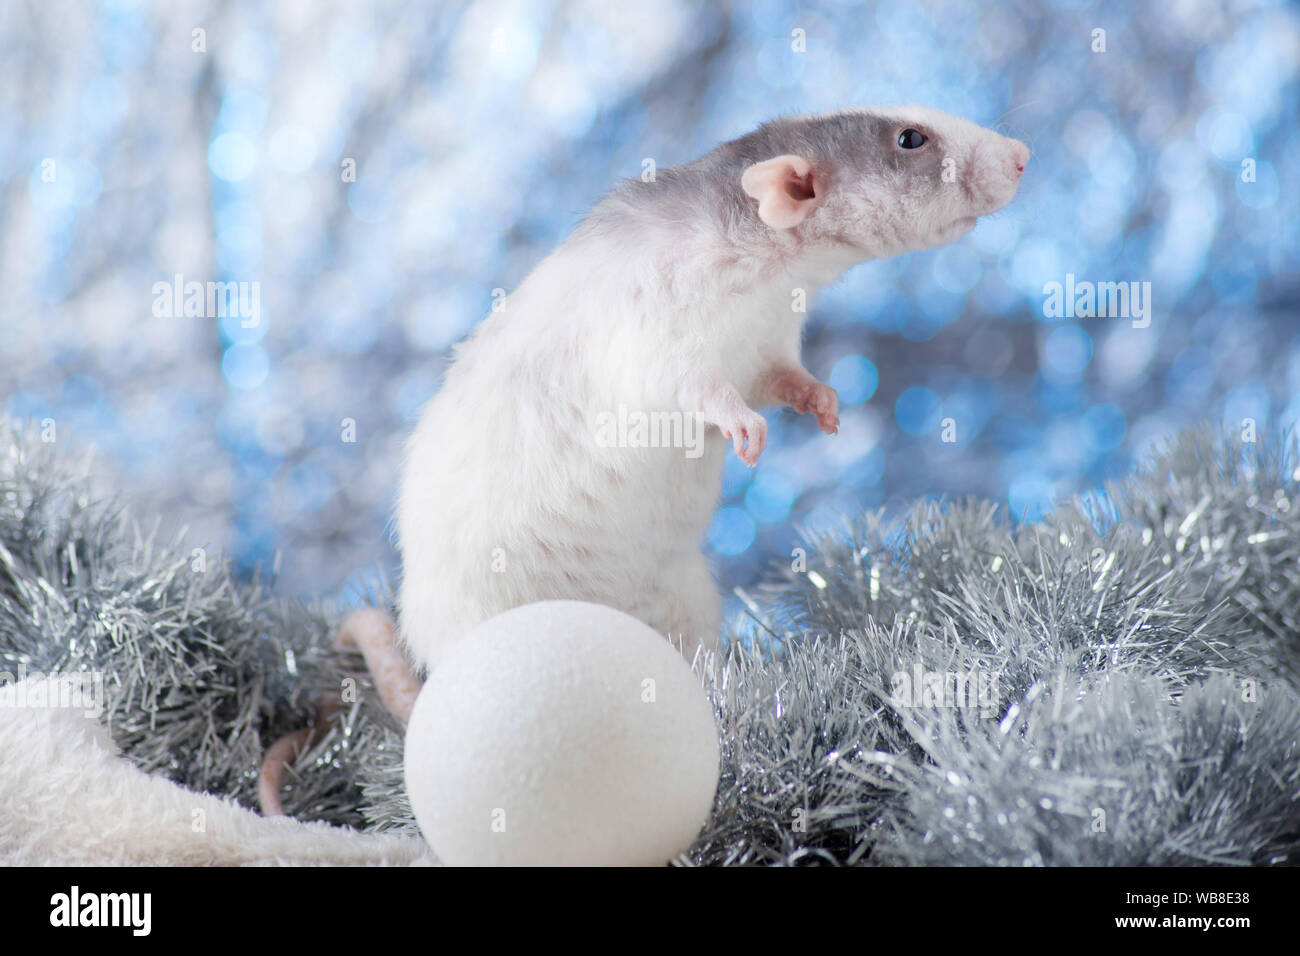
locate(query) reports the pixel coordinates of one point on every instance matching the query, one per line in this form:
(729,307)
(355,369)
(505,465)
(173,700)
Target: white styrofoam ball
(561,733)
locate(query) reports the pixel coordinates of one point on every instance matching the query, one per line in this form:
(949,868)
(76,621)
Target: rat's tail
(371,632)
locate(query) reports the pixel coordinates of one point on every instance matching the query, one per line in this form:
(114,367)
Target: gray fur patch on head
(873,196)
(709,187)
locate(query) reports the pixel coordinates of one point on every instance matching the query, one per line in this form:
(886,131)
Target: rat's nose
(1020,156)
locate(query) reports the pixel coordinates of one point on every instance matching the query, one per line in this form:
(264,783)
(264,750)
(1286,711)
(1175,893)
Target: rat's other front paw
(748,434)
(822,400)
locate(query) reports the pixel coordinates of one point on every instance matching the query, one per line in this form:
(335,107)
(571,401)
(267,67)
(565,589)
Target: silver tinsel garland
(201,672)
(1136,657)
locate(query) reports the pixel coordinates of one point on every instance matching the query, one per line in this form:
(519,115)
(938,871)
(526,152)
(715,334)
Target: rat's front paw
(822,401)
(826,403)
(748,435)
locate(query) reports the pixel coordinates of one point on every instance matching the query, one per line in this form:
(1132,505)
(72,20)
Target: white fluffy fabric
(67,798)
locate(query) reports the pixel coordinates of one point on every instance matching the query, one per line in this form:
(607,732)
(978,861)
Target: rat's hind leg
(690,609)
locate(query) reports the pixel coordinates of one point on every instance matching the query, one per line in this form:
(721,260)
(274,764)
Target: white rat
(673,296)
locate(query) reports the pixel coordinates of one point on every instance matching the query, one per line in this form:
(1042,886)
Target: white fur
(661,314)
(68,799)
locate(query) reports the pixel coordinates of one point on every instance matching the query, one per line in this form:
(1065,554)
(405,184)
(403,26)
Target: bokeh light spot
(855,378)
(732,531)
(245,366)
(232,157)
(1067,351)
(917,410)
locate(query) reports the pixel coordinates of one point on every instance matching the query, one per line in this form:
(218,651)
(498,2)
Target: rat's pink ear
(786,190)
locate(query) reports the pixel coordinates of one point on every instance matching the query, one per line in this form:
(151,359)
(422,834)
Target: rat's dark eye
(911,139)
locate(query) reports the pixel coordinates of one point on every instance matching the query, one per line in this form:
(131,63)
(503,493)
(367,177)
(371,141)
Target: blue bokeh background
(481,132)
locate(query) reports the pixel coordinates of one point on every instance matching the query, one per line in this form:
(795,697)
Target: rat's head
(879,181)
